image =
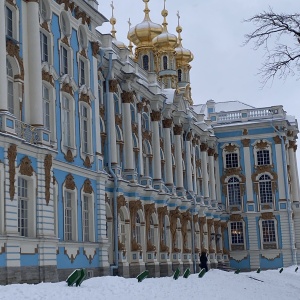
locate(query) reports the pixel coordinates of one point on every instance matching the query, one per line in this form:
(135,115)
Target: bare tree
(279,34)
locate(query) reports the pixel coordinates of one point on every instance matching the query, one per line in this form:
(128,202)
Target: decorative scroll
(95,48)
(211,152)
(127,97)
(81,14)
(246,142)
(11,155)
(113,86)
(262,145)
(167,123)
(121,202)
(26,167)
(267,216)
(87,187)
(185,218)
(235,218)
(134,206)
(47,168)
(162,212)
(177,130)
(203,147)
(69,156)
(47,77)
(85,98)
(67,4)
(69,182)
(149,210)
(87,162)
(13,51)
(155,116)
(230,148)
(174,215)
(67,88)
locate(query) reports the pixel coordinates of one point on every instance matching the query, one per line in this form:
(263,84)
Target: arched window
(165,62)
(132,110)
(234,191)
(179,74)
(138,228)
(265,189)
(66,122)
(146,62)
(46,100)
(10,87)
(145,121)
(117,107)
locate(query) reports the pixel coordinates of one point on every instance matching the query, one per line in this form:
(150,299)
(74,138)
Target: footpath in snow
(215,285)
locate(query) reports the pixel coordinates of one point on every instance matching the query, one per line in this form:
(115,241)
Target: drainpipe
(111,171)
(194,203)
(286,187)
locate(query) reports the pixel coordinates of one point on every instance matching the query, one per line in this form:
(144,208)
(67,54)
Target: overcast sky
(213,30)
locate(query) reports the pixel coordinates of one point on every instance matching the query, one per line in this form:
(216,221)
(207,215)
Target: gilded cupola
(165,41)
(143,33)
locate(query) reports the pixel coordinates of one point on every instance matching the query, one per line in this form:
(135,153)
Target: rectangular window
(64,60)
(44,47)
(10,96)
(9,23)
(263,157)
(237,235)
(268,228)
(84,115)
(232,160)
(265,192)
(22,207)
(46,101)
(85,219)
(66,122)
(81,72)
(68,216)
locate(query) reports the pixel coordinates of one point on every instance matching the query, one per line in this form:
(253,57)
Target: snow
(169,93)
(231,106)
(216,285)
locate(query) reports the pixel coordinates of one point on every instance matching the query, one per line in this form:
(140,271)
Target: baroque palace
(107,164)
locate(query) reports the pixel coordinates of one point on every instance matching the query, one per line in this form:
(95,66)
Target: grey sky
(213,30)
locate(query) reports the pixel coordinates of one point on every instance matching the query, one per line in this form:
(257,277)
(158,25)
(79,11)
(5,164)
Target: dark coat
(203,261)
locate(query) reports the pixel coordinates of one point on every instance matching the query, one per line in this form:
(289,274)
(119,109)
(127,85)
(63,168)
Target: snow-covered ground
(214,285)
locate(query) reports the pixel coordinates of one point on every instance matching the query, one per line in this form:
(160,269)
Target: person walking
(203,261)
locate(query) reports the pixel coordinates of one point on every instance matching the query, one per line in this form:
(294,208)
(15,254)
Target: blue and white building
(106,163)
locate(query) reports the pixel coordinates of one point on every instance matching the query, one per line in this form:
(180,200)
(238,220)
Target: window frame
(88,232)
(73,235)
(267,245)
(239,245)
(86,122)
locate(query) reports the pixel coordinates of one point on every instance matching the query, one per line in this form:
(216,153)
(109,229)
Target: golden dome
(183,56)
(165,40)
(143,33)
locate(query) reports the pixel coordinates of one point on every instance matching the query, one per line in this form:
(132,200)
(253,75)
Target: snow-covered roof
(231,106)
(169,94)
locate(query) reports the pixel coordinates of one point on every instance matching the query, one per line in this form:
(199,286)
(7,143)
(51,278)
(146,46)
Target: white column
(247,162)
(195,186)
(3,82)
(293,169)
(280,170)
(127,130)
(111,121)
(189,178)
(212,179)
(97,107)
(34,64)
(167,123)
(217,176)
(203,148)
(155,118)
(178,156)
(139,121)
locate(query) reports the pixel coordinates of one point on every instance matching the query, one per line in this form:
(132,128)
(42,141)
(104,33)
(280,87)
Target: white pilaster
(188,164)
(280,172)
(293,167)
(111,120)
(34,64)
(139,121)
(127,135)
(204,170)
(155,117)
(247,162)
(3,81)
(178,156)
(168,151)
(212,180)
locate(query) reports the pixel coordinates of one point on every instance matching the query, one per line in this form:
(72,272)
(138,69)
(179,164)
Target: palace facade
(107,164)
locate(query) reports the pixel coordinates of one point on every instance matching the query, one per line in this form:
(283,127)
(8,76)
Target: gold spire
(146,11)
(179,30)
(113,20)
(164,13)
(130,46)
